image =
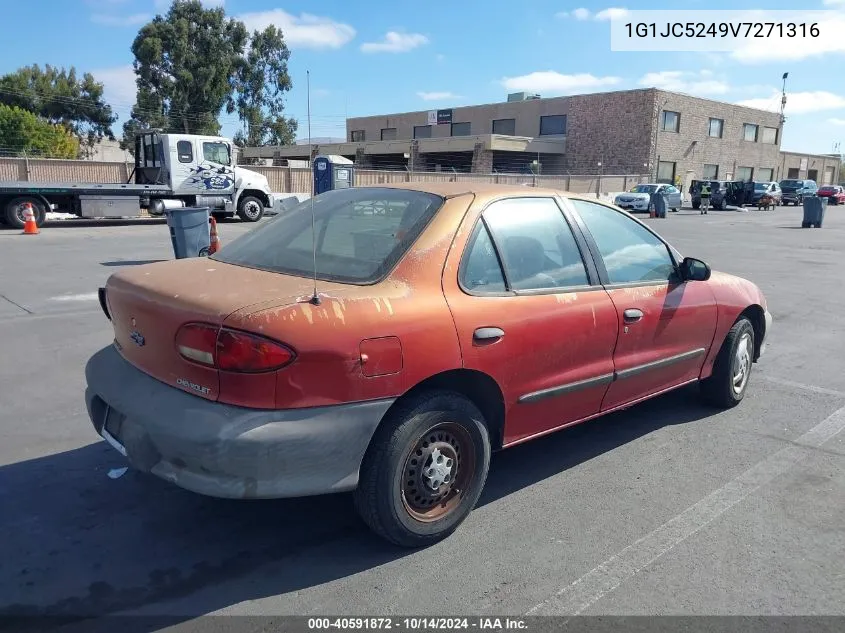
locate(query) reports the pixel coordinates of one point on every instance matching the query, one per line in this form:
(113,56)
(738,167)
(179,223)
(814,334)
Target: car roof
(486,191)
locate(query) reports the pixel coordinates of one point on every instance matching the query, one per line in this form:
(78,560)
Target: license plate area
(111,430)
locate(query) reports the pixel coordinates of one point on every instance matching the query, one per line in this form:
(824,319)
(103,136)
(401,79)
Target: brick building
(673,137)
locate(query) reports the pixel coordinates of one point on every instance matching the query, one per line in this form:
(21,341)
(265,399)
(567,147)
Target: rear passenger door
(665,325)
(530,313)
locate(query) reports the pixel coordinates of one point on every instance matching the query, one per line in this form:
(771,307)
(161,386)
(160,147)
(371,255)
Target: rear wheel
(250,209)
(14,212)
(725,388)
(424,470)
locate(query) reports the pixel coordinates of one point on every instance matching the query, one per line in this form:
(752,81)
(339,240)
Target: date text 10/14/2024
(416,624)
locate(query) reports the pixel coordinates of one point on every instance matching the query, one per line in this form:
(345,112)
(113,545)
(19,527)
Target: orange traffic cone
(29,225)
(215,239)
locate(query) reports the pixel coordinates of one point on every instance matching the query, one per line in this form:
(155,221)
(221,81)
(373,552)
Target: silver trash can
(814,208)
(189,231)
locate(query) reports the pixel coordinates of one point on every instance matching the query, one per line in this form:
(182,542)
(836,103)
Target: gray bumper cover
(226,451)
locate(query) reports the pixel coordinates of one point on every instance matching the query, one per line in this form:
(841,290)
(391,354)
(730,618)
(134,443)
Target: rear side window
(185,151)
(536,244)
(481,271)
(361,234)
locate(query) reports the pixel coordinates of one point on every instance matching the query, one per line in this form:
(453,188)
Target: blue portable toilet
(333,172)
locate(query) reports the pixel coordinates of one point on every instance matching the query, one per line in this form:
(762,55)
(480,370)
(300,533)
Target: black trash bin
(189,232)
(814,208)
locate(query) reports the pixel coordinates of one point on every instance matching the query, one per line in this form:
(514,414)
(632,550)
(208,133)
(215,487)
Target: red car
(449,320)
(835,194)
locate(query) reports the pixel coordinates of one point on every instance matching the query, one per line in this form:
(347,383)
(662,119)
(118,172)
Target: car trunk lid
(148,304)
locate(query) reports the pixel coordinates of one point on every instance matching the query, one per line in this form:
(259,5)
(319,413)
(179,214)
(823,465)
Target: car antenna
(315,298)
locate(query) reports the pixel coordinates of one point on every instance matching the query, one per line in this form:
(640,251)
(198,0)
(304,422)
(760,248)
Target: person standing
(705,197)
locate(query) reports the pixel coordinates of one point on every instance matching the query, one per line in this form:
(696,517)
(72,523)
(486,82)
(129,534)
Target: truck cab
(200,171)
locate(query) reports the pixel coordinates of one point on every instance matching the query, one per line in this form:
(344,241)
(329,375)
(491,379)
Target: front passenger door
(665,325)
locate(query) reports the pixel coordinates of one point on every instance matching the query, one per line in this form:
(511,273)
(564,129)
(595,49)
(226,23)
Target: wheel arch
(478,387)
(256,193)
(757,316)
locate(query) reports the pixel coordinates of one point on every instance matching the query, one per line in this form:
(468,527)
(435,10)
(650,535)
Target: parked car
(638,198)
(771,189)
(331,350)
(835,194)
(795,190)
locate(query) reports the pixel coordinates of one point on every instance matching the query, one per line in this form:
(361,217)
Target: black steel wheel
(15,209)
(250,209)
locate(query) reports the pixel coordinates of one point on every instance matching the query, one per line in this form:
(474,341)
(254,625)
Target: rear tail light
(231,350)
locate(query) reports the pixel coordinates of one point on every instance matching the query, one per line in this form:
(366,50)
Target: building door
(813,174)
(793,173)
(828,175)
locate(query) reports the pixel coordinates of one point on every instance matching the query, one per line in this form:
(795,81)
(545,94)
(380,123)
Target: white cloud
(581,14)
(119,88)
(553,82)
(438,96)
(133,19)
(835,121)
(834,3)
(303,31)
(798,102)
(831,25)
(395,42)
(612,13)
(699,83)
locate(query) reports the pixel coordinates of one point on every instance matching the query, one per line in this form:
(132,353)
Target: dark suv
(796,189)
(722,193)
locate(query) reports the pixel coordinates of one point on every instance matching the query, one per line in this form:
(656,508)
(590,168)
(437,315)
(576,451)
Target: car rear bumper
(222,450)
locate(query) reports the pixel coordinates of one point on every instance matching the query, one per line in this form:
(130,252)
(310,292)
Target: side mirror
(692,269)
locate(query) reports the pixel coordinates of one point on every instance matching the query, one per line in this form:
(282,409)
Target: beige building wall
(823,168)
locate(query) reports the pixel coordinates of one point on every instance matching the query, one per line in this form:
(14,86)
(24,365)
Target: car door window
(536,245)
(480,269)
(631,253)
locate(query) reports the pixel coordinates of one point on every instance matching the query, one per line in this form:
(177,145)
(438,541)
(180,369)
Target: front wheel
(725,388)
(424,470)
(250,209)
(15,210)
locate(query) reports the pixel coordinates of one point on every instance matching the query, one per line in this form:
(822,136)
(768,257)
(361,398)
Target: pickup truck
(171,171)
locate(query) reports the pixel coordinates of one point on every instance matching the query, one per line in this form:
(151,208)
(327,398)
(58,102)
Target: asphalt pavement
(667,508)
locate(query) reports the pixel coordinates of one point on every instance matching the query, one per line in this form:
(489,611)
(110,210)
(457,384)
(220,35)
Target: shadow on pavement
(131,262)
(81,545)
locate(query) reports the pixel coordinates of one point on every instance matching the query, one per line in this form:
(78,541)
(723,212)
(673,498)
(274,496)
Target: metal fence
(298,179)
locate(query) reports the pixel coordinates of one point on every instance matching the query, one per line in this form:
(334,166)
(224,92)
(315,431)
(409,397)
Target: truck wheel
(424,470)
(250,209)
(15,209)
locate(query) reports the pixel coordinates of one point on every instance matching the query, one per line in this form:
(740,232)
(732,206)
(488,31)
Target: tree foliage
(61,96)
(194,63)
(22,132)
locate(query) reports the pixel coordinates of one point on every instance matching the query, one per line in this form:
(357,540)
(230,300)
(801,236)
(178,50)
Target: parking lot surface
(667,508)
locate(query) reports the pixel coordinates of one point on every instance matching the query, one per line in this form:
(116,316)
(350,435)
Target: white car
(638,198)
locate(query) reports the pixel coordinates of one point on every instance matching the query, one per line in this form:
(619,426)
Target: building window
(711,172)
(670,121)
(461,129)
(506,127)
(388,134)
(553,125)
(356,136)
(749,132)
(666,172)
(422,131)
(770,135)
(744,173)
(764,174)
(185,151)
(717,128)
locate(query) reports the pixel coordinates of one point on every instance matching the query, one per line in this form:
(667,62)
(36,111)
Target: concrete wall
(798,165)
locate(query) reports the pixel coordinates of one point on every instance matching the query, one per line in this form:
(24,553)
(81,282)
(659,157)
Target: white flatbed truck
(171,171)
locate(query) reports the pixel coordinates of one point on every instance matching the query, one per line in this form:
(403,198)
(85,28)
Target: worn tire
(248,211)
(380,498)
(13,218)
(720,388)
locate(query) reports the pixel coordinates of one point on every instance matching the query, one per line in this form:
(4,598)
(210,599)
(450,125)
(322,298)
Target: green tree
(186,63)
(262,82)
(21,132)
(61,96)
(193,63)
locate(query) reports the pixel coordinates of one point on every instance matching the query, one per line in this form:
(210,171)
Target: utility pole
(783,105)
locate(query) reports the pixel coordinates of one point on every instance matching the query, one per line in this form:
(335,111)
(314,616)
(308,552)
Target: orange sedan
(389,338)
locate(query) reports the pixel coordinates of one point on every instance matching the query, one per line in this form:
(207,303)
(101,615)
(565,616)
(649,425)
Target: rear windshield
(360,235)
(791,183)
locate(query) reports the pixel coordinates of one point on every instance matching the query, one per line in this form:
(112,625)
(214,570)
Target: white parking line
(592,586)
(88,296)
(801,385)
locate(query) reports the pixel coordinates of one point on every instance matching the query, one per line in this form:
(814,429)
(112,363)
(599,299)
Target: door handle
(488,334)
(632,315)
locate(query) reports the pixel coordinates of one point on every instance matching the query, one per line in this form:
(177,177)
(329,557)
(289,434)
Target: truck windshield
(360,235)
(791,183)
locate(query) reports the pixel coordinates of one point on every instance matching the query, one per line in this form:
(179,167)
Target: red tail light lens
(230,350)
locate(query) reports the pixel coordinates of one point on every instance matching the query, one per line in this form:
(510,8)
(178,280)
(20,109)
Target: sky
(376,57)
